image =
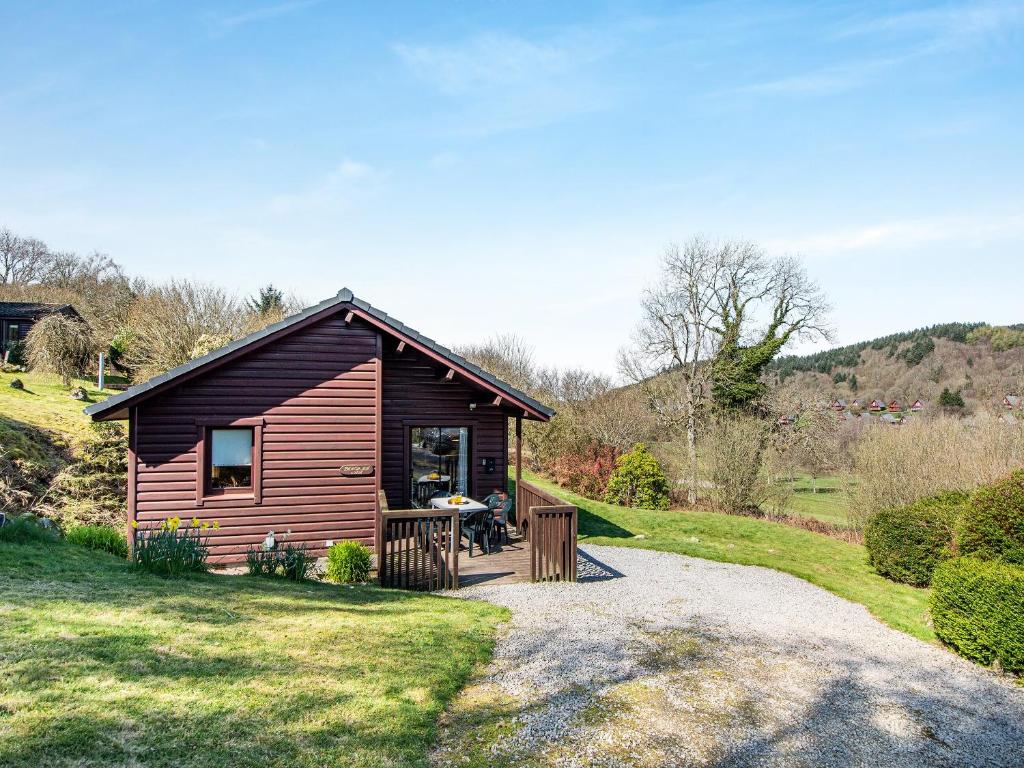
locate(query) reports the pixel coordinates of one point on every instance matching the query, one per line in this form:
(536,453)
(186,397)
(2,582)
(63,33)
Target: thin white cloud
(349,180)
(264,13)
(906,233)
(498,81)
(908,37)
(442,160)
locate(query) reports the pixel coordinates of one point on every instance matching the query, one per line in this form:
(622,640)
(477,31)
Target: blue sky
(476,168)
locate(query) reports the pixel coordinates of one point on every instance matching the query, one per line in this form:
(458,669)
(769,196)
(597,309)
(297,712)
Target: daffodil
(216,525)
(135,523)
(195,522)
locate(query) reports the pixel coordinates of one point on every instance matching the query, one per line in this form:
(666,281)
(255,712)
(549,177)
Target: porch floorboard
(506,564)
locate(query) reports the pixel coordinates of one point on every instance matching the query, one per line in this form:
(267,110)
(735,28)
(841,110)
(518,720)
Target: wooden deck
(506,564)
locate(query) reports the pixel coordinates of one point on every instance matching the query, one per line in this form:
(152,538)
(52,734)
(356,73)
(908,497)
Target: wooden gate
(551,530)
(419,549)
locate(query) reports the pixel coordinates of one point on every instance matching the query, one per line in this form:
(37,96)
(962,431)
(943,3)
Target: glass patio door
(438,463)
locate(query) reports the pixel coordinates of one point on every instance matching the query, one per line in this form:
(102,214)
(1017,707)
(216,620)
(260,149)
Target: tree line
(144,327)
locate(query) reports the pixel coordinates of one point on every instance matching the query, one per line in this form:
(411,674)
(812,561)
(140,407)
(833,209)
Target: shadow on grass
(592,524)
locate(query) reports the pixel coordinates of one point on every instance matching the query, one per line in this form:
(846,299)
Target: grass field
(830,504)
(834,565)
(101,665)
(46,404)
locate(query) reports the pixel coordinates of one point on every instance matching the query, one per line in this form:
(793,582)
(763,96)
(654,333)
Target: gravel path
(681,661)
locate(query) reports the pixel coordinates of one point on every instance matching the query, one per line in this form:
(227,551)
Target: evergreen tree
(268,301)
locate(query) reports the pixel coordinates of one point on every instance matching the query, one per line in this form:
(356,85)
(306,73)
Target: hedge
(993,526)
(978,608)
(906,543)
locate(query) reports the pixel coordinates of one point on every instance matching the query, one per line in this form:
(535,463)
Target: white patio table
(469,505)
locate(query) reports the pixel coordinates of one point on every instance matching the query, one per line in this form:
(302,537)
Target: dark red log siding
(415,393)
(316,391)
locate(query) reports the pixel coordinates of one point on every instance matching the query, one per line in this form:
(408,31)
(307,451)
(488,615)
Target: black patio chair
(501,515)
(478,527)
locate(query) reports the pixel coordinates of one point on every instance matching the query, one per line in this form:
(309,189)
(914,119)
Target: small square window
(231,458)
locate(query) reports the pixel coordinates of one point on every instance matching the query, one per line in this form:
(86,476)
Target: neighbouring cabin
(876,406)
(1013,401)
(917,406)
(895,406)
(18,317)
(330,425)
(838,404)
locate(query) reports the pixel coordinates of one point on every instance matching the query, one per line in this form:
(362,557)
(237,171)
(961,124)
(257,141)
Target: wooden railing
(418,549)
(551,530)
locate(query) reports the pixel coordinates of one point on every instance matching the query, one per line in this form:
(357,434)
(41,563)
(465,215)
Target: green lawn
(46,404)
(101,665)
(830,503)
(835,565)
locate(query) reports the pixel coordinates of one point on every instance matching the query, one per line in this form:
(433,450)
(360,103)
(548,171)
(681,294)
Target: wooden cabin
(838,404)
(18,317)
(876,406)
(917,406)
(316,428)
(1013,401)
(895,406)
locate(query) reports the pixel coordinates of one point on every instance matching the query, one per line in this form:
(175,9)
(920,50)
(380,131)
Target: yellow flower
(216,525)
(173,523)
(195,521)
(205,526)
(135,523)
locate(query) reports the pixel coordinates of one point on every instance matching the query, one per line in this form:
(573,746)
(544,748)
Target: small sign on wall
(356,470)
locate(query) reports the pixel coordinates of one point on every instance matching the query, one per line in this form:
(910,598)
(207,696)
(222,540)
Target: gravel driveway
(681,661)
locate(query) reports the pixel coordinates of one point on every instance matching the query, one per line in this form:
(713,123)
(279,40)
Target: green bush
(906,543)
(638,481)
(348,562)
(173,549)
(291,561)
(992,527)
(28,529)
(978,609)
(105,538)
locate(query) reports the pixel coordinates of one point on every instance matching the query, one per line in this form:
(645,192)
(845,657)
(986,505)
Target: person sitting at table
(501,514)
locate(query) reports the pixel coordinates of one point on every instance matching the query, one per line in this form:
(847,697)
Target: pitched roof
(116,407)
(31,310)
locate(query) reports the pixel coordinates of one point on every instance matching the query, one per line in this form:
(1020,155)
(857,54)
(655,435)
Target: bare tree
(506,356)
(22,259)
(168,321)
(718,315)
(676,339)
(762,304)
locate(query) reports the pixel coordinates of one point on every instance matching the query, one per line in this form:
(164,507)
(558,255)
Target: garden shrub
(906,543)
(290,561)
(638,481)
(105,538)
(173,549)
(28,529)
(348,562)
(978,609)
(585,471)
(992,527)
(61,345)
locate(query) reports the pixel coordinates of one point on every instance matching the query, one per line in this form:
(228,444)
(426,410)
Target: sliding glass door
(438,462)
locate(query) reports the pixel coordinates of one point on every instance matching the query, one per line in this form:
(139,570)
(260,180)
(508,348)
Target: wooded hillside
(983,362)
